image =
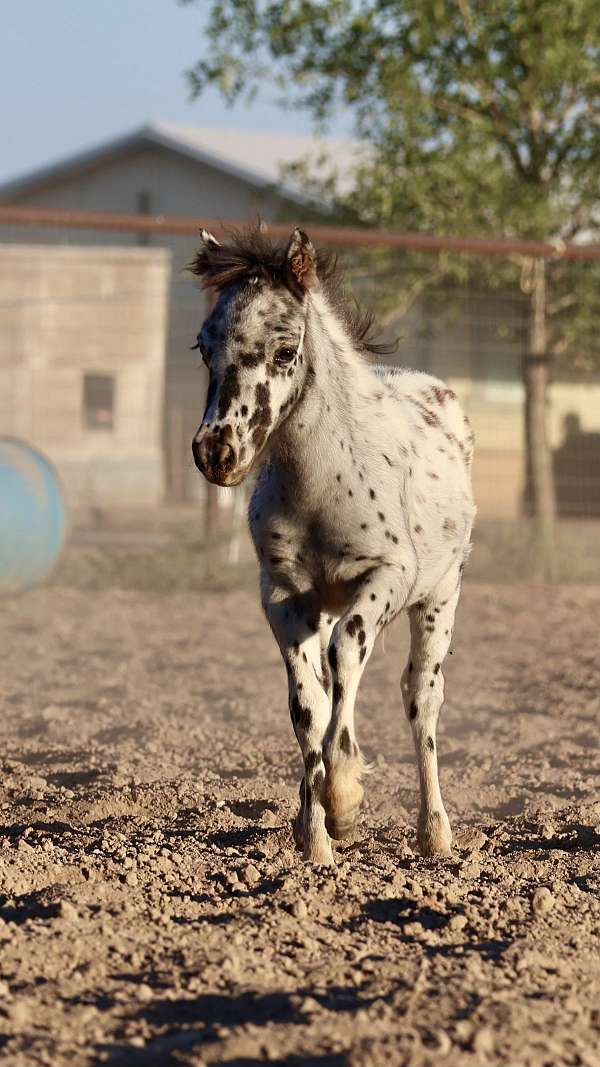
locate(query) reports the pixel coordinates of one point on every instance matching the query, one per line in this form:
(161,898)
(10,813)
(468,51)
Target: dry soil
(153,909)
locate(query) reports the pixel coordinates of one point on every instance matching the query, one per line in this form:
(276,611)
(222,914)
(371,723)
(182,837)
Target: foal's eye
(284,355)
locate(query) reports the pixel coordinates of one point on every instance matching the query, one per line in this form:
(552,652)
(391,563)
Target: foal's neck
(328,409)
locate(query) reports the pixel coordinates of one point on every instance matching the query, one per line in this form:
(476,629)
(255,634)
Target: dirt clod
(299,909)
(250,874)
(68,911)
(483,1042)
(542,901)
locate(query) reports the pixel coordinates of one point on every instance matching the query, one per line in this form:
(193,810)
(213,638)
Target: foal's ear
(204,263)
(208,240)
(301,263)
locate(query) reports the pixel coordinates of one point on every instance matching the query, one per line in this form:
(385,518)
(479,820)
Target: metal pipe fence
(459,307)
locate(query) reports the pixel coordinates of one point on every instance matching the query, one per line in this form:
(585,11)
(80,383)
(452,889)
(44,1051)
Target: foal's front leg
(377,600)
(294,620)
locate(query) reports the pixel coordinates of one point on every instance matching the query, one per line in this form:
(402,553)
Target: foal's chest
(327,552)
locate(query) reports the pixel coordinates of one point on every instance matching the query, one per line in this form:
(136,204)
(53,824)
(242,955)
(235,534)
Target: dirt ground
(153,909)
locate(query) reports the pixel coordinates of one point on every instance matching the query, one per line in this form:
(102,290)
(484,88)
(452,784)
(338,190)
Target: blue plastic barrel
(33,518)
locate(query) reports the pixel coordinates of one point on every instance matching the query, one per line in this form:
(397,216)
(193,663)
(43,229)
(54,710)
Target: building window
(98,401)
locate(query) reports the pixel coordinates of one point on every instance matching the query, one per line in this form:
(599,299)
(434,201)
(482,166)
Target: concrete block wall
(70,311)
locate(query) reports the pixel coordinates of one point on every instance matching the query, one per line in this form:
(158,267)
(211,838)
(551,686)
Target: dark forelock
(249,254)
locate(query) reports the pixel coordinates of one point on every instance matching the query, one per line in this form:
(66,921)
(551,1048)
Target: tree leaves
(481,117)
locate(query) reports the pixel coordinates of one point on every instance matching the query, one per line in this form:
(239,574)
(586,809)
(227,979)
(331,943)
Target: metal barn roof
(253,156)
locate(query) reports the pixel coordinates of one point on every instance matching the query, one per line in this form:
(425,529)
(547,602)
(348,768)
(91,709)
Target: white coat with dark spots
(363,508)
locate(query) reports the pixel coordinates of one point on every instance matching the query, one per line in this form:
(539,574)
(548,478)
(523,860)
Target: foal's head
(252,344)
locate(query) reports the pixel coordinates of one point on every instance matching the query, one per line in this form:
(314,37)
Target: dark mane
(249,254)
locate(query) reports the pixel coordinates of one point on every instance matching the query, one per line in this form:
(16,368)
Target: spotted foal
(362,508)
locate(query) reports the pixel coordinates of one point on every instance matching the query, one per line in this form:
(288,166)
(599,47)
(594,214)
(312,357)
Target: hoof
(434,834)
(319,854)
(343,797)
(341,824)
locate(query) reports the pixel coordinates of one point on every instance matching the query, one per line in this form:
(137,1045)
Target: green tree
(482,117)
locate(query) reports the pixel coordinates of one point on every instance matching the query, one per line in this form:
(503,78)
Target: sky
(76,72)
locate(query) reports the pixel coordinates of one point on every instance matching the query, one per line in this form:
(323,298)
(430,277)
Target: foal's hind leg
(431,625)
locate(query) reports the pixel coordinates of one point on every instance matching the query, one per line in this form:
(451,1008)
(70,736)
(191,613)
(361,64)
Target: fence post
(176,453)
(540,475)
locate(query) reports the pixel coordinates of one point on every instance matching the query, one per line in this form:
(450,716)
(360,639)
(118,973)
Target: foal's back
(434,404)
(428,427)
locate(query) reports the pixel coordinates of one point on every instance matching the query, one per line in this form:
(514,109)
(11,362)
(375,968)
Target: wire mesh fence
(467,321)
(96,368)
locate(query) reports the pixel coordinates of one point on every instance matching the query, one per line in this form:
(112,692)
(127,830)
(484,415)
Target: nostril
(225,457)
